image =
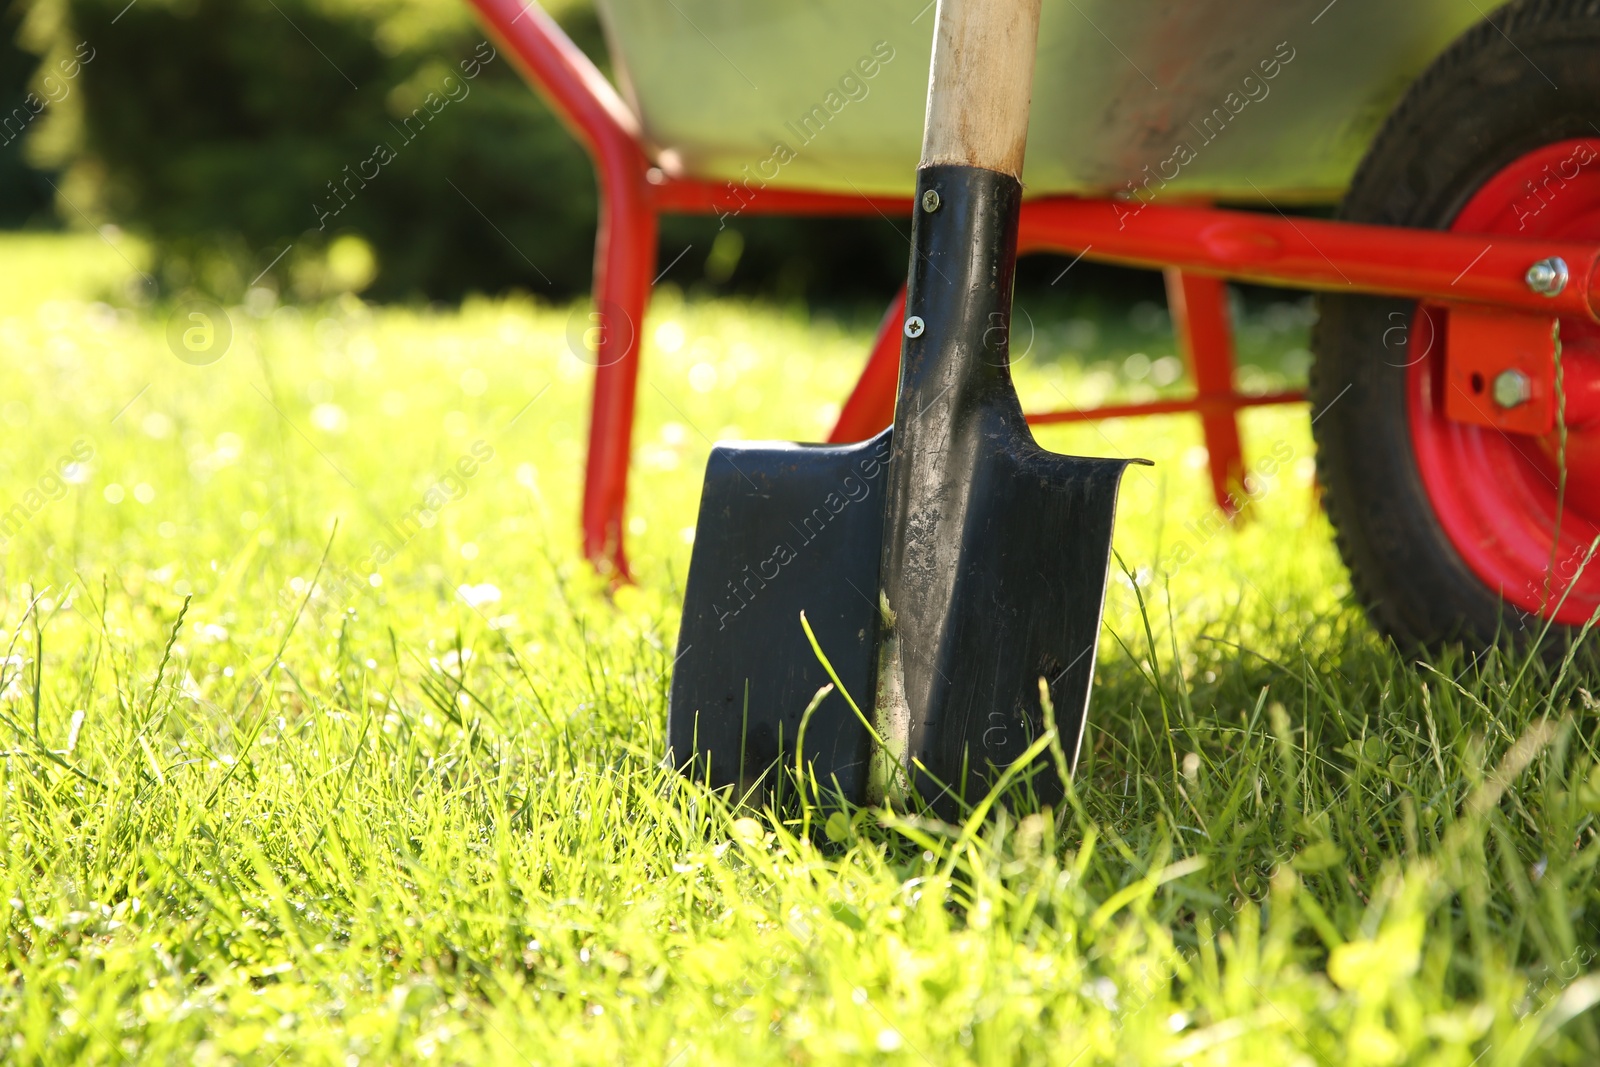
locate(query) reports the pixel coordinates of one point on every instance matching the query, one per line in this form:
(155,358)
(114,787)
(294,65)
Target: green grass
(251,816)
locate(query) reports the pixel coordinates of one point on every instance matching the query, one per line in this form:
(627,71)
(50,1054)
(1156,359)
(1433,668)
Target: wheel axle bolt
(1512,388)
(1548,276)
(914,327)
(930,201)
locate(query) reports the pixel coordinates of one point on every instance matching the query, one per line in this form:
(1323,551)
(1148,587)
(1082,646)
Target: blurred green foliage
(25,194)
(215,127)
(227,131)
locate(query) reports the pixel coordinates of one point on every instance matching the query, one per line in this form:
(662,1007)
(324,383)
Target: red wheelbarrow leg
(871,404)
(625,256)
(1199,306)
(625,251)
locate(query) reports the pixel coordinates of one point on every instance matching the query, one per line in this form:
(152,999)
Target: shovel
(944,567)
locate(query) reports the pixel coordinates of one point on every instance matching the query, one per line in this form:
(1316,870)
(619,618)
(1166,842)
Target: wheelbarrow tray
(781,94)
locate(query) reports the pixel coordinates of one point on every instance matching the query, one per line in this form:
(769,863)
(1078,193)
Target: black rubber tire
(1481,105)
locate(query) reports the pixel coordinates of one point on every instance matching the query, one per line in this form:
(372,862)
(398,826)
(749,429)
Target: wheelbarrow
(1456,378)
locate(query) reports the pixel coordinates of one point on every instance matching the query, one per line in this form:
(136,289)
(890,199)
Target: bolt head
(1512,388)
(1548,276)
(930,200)
(914,326)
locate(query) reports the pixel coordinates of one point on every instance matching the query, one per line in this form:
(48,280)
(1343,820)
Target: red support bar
(1199,306)
(1300,253)
(1180,406)
(871,404)
(691,196)
(1451,268)
(572,85)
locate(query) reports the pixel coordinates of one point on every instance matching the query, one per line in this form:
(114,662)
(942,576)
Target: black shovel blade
(783,528)
(1020,600)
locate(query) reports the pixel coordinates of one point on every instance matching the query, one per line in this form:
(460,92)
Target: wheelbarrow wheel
(1453,532)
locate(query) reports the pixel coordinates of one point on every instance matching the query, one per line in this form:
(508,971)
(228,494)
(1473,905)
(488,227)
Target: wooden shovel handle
(981,84)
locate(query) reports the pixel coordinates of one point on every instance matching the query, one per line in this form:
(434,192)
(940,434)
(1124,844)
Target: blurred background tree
(213,129)
(25,193)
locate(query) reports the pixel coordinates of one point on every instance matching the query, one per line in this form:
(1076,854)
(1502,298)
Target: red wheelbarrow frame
(1198,248)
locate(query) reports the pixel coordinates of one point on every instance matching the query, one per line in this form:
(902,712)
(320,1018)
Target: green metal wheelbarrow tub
(1223,99)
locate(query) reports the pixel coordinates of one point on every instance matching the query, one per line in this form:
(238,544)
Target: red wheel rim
(1497,495)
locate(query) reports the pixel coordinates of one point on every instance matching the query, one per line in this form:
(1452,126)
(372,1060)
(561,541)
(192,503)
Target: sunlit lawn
(413,811)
